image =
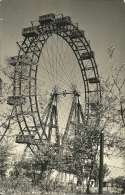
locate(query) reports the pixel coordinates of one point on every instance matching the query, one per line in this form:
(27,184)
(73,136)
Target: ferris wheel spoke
(53,75)
(60,57)
(64,114)
(67,71)
(59,78)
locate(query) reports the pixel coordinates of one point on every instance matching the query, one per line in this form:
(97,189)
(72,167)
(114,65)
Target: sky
(102,20)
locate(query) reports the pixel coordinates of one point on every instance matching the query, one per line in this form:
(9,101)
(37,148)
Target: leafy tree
(3,160)
(117,182)
(95,174)
(117,84)
(6,155)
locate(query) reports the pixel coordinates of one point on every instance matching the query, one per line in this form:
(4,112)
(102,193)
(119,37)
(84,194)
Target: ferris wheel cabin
(76,34)
(16,100)
(24,139)
(93,80)
(87,55)
(44,19)
(63,21)
(30,32)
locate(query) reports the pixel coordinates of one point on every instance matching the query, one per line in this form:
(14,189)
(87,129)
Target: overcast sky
(102,20)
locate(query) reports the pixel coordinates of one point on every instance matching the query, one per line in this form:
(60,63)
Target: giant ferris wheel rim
(65,32)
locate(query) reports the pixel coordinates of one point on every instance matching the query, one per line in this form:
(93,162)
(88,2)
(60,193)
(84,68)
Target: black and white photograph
(62,97)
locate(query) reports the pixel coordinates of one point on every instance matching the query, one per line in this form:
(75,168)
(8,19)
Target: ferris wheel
(56,82)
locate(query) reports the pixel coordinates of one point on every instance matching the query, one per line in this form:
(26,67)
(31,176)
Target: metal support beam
(68,121)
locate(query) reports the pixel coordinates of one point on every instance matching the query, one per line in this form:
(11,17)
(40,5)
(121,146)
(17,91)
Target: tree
(118,181)
(3,160)
(116,81)
(95,174)
(6,155)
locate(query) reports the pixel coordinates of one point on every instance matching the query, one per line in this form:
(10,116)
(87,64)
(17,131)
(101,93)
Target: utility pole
(101,162)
